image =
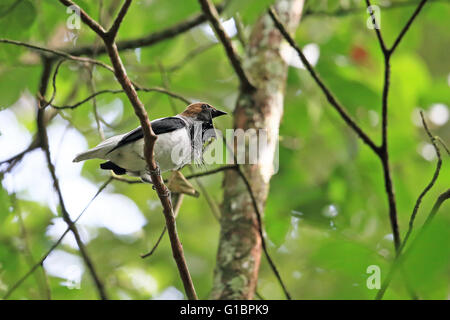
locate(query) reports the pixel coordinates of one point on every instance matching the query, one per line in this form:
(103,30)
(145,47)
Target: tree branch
(213,171)
(55,74)
(330,97)
(384,153)
(18,157)
(213,16)
(43,138)
(429,185)
(383,150)
(53,247)
(399,259)
(41,281)
(149,142)
(150,39)
(437,205)
(59,53)
(100,92)
(112,32)
(406,27)
(376,27)
(188,177)
(98,29)
(178,201)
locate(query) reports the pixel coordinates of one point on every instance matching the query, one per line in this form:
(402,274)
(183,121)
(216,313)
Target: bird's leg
(179,184)
(157,172)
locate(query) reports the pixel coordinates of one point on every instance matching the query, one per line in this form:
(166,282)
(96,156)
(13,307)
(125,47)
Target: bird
(182,139)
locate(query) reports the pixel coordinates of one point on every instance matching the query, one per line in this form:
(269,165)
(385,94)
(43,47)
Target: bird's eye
(204,106)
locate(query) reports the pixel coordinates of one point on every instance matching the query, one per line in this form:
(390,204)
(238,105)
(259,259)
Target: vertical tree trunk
(239,251)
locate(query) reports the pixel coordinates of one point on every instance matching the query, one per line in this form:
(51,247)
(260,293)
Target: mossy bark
(239,252)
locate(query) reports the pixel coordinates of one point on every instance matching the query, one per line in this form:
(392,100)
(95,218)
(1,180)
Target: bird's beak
(217,113)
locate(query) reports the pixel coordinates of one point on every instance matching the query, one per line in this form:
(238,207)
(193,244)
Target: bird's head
(201,111)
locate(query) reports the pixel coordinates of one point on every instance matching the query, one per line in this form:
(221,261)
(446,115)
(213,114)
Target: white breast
(172,151)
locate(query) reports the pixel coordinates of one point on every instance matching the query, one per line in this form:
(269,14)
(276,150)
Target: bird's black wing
(159,126)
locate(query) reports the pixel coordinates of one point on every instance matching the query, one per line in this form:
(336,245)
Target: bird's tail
(94,153)
(100,151)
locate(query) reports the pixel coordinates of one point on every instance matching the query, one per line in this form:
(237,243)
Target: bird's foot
(179,184)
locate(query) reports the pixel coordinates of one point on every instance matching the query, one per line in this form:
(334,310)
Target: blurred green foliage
(326,216)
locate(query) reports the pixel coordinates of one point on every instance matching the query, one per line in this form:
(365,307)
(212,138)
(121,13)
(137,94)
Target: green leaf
(14,81)
(429,260)
(249,10)
(16,17)
(5,204)
(350,92)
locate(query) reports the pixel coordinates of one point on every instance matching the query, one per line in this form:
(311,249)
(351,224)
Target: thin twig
(384,153)
(55,73)
(209,172)
(428,186)
(41,281)
(91,86)
(57,53)
(437,205)
(439,139)
(376,27)
(98,29)
(164,91)
(43,138)
(190,55)
(213,16)
(112,32)
(406,27)
(53,247)
(383,150)
(399,259)
(100,92)
(240,30)
(176,209)
(149,40)
(261,234)
(14,160)
(400,256)
(91,82)
(328,94)
(188,177)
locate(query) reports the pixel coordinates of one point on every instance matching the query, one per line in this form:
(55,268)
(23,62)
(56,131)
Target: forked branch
(149,138)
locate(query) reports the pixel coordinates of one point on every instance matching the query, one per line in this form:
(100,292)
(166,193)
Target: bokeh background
(326,218)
